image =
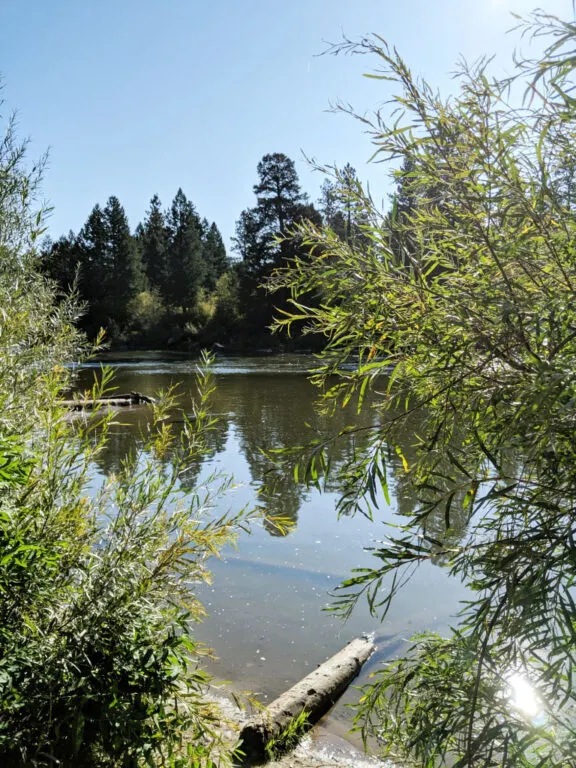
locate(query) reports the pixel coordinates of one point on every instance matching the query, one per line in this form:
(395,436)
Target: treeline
(170,280)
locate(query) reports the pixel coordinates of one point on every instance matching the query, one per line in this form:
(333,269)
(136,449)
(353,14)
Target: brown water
(266,619)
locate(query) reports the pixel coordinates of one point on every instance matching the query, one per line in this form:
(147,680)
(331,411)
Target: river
(267,622)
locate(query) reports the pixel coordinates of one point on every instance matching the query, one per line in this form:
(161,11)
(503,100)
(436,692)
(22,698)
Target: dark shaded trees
(127,277)
(216,261)
(187,268)
(262,236)
(62,260)
(153,237)
(110,269)
(143,287)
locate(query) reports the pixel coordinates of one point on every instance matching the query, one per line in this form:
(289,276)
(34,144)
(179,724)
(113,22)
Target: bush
(97,663)
(145,312)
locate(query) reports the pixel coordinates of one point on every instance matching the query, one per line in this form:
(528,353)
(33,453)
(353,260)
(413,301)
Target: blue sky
(136,97)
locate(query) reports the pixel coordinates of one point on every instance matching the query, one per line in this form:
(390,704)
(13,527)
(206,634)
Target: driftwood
(314,695)
(111,401)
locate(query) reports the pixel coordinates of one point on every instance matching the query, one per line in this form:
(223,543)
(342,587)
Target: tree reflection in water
(274,410)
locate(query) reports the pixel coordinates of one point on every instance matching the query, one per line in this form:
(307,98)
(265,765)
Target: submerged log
(111,401)
(314,695)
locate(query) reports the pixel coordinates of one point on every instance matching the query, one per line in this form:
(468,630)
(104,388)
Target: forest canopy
(170,282)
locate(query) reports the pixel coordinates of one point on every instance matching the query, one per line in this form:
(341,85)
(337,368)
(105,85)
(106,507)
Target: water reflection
(266,411)
(268,404)
(269,595)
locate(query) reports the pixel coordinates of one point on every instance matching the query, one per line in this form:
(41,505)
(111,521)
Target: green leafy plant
(458,306)
(98,665)
(289,738)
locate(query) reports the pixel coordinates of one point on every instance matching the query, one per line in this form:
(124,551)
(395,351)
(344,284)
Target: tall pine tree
(154,239)
(280,203)
(339,206)
(61,261)
(128,277)
(215,259)
(110,269)
(187,267)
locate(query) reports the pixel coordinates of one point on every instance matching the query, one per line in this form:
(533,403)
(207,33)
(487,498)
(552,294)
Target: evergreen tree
(330,208)
(250,243)
(215,258)
(279,198)
(128,282)
(280,206)
(187,267)
(278,191)
(61,260)
(153,236)
(127,274)
(95,269)
(338,204)
(110,269)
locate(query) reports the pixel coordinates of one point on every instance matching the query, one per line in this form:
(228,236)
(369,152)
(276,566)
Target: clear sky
(136,97)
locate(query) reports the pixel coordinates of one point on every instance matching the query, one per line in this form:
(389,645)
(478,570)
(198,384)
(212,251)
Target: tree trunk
(314,695)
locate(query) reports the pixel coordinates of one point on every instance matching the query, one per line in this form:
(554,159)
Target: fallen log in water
(314,695)
(111,401)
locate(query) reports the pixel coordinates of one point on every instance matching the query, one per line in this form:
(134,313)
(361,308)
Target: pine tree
(330,208)
(154,245)
(110,269)
(339,207)
(127,274)
(95,269)
(278,191)
(251,243)
(215,257)
(187,267)
(60,261)
(280,205)
(280,202)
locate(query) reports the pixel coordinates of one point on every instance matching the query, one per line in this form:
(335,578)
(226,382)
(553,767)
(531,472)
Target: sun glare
(523,697)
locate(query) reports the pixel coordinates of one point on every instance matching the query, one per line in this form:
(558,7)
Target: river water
(267,621)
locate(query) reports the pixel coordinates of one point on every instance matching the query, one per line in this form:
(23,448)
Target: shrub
(97,662)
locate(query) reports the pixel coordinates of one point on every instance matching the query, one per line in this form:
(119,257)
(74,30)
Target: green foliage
(98,666)
(260,236)
(215,258)
(460,308)
(180,258)
(121,278)
(153,239)
(280,204)
(289,738)
(187,267)
(147,315)
(227,314)
(337,204)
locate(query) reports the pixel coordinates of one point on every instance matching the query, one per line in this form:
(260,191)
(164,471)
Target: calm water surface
(266,620)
